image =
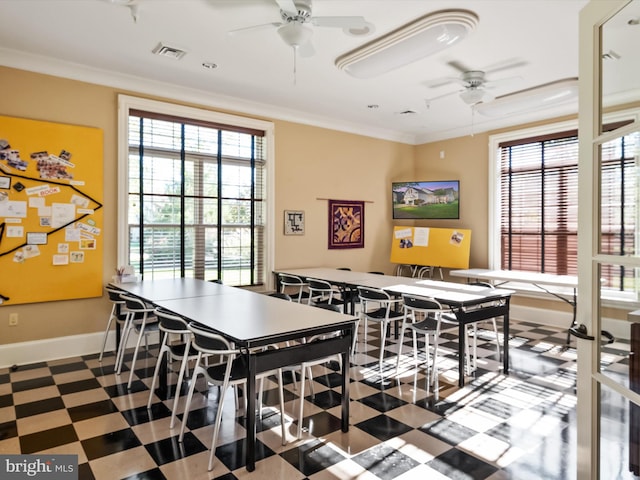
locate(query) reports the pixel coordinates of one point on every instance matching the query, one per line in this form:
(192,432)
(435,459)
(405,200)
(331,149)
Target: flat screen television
(426,200)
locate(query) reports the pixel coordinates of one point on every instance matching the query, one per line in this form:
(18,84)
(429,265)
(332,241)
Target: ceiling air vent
(170,52)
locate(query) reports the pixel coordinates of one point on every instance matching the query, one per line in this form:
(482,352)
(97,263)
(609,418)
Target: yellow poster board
(431,247)
(51,189)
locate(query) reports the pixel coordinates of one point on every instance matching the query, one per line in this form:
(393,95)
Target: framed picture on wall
(294,222)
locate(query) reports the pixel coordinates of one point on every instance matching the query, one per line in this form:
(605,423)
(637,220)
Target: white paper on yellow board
(31,251)
(63,248)
(62,214)
(15,232)
(88,228)
(72,234)
(36,202)
(87,244)
(88,211)
(82,202)
(403,233)
(13,208)
(421,237)
(12,220)
(44,211)
(36,238)
(61,259)
(37,190)
(456,238)
(76,257)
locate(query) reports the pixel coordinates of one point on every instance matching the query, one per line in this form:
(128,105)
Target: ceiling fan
(475,83)
(293,31)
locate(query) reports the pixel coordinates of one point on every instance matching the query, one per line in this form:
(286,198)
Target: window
(537,193)
(196,197)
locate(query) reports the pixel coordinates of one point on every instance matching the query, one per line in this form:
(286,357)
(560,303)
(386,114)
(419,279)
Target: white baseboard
(65,347)
(556,318)
(49,349)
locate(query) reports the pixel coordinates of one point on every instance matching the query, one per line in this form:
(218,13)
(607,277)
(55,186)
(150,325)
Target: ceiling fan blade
(462,68)
(439,82)
(255,27)
(339,22)
(287,6)
(428,101)
(504,65)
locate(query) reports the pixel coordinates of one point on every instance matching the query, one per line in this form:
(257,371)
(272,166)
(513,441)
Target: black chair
(174,327)
(424,315)
(117,313)
(378,307)
(142,320)
(322,292)
(293,286)
(230,371)
(282,296)
(472,329)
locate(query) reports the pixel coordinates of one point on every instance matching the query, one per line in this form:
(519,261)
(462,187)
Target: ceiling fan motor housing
(473,78)
(302,15)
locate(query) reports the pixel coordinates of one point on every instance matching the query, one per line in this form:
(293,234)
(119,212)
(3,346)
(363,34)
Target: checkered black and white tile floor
(520,426)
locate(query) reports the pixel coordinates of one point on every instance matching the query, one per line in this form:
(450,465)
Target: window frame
(494,201)
(127,103)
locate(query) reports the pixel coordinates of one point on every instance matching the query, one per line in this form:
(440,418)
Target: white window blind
(196,200)
(539,204)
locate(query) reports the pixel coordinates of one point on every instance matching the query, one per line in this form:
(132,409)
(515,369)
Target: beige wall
(465,159)
(315,164)
(311,163)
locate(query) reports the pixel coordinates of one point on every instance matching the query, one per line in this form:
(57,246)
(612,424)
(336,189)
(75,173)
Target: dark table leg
(461,347)
(505,343)
(250,454)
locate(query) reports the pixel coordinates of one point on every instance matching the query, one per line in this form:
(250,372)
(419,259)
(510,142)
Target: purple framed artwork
(346,224)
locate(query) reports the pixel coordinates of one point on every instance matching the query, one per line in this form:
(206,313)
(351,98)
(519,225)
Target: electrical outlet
(13,319)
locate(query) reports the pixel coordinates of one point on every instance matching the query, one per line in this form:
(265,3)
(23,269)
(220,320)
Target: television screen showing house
(426,200)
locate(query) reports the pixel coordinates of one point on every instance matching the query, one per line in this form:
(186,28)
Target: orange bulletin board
(51,189)
(432,247)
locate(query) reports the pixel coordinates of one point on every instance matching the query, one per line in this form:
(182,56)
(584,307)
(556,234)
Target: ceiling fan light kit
(411,42)
(295,34)
(536,98)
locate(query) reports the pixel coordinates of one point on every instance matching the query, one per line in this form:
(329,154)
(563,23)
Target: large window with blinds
(538,196)
(195,199)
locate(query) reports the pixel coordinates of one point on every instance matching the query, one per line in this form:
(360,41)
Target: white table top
(445,292)
(518,276)
(173,288)
(254,317)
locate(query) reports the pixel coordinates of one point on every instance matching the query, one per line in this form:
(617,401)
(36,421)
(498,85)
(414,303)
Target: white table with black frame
(469,303)
(257,320)
(542,281)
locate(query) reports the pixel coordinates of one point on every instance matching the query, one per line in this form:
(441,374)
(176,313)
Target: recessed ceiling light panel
(415,40)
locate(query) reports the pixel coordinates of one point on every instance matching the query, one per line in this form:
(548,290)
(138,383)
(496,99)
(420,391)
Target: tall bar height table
(256,321)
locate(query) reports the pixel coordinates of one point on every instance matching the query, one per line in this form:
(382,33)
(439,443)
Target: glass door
(609,258)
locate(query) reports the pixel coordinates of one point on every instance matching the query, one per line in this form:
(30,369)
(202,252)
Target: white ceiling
(98,41)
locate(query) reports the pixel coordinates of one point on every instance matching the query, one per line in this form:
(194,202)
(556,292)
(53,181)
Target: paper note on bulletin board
(51,189)
(435,247)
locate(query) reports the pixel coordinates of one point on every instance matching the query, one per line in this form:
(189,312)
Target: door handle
(581,332)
